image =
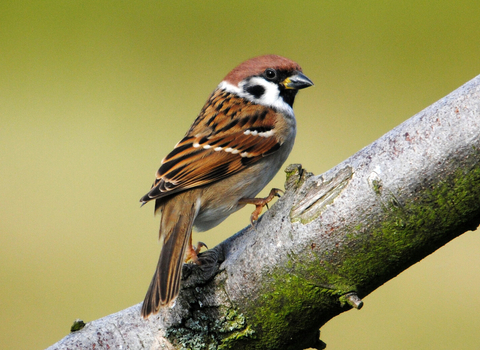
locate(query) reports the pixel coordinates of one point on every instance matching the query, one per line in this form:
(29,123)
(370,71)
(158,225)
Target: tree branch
(328,242)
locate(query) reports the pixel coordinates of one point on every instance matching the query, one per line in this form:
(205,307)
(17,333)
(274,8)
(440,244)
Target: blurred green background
(93,94)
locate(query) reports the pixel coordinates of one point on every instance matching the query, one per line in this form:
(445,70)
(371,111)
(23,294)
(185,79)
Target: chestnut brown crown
(257,65)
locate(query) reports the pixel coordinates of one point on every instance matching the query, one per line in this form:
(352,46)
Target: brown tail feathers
(176,228)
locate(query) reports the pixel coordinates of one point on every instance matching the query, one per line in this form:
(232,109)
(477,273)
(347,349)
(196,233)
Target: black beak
(297,81)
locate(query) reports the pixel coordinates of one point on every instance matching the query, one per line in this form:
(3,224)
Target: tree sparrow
(238,142)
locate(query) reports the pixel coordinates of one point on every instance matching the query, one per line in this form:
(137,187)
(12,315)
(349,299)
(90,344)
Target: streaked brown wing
(228,134)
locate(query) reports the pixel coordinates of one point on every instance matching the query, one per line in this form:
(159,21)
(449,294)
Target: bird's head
(268,80)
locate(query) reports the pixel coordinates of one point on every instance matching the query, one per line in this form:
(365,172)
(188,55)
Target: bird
(236,145)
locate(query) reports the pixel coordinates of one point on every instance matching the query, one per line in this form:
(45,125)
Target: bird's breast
(220,199)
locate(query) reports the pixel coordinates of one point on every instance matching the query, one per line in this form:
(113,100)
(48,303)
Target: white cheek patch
(270,98)
(270,95)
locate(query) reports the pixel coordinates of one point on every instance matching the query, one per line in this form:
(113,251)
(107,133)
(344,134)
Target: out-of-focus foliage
(93,94)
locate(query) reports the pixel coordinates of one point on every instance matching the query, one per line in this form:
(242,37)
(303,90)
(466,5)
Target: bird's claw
(260,203)
(192,253)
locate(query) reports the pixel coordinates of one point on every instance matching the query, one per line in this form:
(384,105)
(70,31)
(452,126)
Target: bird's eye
(270,73)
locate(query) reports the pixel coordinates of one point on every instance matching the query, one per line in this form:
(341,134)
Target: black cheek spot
(256,90)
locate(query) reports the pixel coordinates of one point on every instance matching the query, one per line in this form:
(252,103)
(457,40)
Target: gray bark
(328,242)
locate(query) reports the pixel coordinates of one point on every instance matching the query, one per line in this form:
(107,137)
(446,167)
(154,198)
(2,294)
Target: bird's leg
(260,203)
(192,252)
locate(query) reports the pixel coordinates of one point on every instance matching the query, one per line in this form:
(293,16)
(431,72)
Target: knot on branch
(296,176)
(317,192)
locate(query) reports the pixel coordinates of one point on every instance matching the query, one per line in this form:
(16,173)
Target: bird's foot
(192,253)
(260,203)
